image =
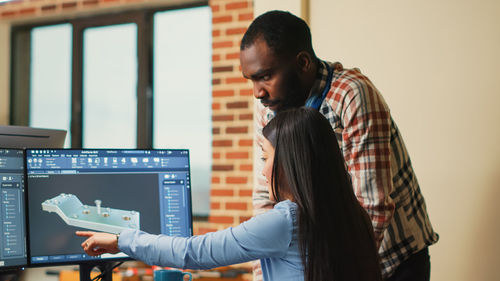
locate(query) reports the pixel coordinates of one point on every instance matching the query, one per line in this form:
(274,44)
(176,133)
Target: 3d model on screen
(98,218)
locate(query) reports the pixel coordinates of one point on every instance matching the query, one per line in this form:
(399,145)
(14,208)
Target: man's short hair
(284,33)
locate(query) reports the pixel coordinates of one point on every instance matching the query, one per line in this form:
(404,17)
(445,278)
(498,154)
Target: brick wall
(232,117)
(31,9)
(232,97)
(26,9)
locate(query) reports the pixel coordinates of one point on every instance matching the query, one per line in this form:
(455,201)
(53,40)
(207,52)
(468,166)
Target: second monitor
(103,190)
(12,217)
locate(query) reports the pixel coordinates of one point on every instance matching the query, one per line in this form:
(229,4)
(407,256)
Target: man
(277,56)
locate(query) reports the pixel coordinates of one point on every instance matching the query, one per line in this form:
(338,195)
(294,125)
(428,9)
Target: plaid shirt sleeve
(366,124)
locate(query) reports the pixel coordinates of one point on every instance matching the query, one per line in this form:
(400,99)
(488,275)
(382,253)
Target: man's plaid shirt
(382,175)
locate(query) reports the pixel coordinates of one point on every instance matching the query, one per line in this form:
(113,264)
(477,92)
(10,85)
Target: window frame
(20,67)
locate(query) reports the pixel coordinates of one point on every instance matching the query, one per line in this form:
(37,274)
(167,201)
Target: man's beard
(293,91)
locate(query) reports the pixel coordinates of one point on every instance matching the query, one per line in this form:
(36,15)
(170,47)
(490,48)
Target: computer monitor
(26,137)
(103,190)
(12,210)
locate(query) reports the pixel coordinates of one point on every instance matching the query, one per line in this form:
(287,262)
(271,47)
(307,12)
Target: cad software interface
(13,237)
(103,190)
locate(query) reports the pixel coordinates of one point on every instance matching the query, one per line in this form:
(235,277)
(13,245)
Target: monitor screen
(12,212)
(103,190)
(25,137)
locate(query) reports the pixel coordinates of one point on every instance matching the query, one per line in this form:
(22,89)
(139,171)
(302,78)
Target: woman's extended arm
(264,236)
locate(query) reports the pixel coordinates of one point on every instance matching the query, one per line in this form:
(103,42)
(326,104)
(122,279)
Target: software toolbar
(71,161)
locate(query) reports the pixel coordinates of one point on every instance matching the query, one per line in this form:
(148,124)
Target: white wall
(4,72)
(262,6)
(437,63)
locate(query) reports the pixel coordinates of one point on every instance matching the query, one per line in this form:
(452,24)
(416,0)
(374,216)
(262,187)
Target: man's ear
(304,61)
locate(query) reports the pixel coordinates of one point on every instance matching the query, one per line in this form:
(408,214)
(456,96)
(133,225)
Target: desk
(72,275)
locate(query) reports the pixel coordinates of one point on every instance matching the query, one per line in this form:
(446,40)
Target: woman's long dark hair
(336,237)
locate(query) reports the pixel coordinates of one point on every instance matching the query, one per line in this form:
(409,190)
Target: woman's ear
(304,61)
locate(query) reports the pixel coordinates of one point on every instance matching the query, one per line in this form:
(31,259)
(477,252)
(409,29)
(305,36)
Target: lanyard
(316,100)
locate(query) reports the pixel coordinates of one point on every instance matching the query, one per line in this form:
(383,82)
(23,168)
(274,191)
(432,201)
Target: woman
(316,231)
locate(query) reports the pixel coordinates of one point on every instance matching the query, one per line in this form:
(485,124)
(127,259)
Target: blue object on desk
(170,275)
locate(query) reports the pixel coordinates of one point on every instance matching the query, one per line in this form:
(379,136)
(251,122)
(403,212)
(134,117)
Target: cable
(107,270)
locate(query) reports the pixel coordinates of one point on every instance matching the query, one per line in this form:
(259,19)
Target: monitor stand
(86,269)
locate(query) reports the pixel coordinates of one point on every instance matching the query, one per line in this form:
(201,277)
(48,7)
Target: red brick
(248,116)
(237,155)
(215,106)
(215,180)
(236,31)
(69,5)
(222,19)
(215,58)
(222,143)
(244,218)
(214,206)
(90,2)
(47,8)
(27,11)
(8,13)
(246,167)
(216,81)
(236,5)
(245,142)
(223,93)
(236,130)
(220,219)
(216,33)
(205,230)
(245,193)
(221,192)
(236,80)
(236,206)
(218,118)
(246,92)
(215,8)
(219,168)
(245,17)
(236,180)
(231,56)
(223,44)
(215,131)
(226,68)
(216,155)
(237,105)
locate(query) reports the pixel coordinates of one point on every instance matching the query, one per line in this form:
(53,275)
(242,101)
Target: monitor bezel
(14,268)
(93,262)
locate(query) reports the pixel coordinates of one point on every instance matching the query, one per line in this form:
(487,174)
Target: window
(182,89)
(109,86)
(121,81)
(50,91)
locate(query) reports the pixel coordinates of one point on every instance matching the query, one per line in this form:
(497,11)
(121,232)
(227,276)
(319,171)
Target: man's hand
(99,243)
